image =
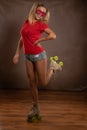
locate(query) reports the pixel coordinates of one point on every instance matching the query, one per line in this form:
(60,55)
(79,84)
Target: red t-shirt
(30,33)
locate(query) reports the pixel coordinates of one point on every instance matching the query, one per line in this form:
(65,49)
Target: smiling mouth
(38,17)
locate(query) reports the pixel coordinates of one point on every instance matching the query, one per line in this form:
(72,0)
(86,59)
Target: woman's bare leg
(30,68)
(44,75)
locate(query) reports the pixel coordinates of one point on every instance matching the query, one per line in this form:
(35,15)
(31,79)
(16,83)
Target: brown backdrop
(68,20)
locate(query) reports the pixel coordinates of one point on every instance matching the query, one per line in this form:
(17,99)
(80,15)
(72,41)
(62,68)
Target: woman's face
(40,13)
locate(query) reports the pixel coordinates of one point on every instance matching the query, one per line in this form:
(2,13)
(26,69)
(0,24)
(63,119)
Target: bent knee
(43,83)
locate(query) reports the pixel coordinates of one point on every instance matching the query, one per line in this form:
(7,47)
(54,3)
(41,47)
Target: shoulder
(43,25)
(26,21)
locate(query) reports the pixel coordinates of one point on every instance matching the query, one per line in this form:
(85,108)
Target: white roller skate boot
(34,113)
(55,66)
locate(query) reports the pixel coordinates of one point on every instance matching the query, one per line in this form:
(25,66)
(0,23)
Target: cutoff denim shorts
(36,57)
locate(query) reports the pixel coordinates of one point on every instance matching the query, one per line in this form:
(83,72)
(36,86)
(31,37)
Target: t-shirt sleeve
(43,27)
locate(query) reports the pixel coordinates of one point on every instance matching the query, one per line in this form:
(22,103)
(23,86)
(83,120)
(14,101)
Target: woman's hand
(37,43)
(16,58)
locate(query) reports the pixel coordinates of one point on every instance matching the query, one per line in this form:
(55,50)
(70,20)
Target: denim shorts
(36,57)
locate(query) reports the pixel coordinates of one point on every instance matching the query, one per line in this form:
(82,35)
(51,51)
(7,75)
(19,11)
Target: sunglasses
(40,12)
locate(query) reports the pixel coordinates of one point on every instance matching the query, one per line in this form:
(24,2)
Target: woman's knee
(43,83)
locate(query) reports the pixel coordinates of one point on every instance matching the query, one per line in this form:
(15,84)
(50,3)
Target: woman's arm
(20,44)
(51,35)
(16,56)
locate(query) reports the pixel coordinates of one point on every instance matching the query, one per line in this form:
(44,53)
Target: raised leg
(44,75)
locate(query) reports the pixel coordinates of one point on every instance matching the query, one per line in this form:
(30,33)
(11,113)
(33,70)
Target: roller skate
(54,65)
(34,114)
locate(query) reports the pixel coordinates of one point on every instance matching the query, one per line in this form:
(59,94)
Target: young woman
(35,54)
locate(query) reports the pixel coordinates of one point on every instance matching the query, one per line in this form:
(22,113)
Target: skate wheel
(55,58)
(39,117)
(51,58)
(32,119)
(61,63)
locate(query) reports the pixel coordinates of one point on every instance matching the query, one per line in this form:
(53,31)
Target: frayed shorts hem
(36,57)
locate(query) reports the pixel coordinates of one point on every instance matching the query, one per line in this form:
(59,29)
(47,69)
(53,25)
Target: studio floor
(60,110)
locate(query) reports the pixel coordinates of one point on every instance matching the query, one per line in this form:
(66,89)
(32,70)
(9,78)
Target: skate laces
(31,111)
(34,110)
